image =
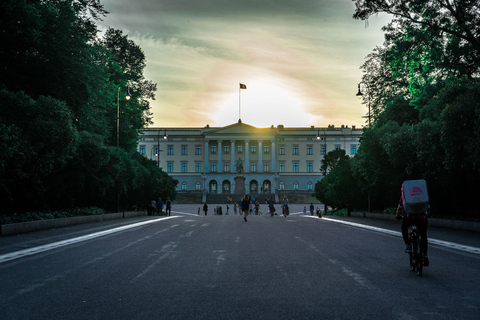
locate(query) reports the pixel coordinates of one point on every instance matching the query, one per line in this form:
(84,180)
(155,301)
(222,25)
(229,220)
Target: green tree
(339,187)
(38,139)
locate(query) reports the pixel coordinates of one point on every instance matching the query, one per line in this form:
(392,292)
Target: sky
(300,60)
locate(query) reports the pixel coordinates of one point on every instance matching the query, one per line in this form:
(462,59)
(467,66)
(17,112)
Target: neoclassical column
(232,156)
(220,167)
(260,152)
(206,155)
(247,158)
(273,157)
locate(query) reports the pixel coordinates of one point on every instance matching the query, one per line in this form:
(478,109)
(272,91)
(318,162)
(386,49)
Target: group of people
(156,207)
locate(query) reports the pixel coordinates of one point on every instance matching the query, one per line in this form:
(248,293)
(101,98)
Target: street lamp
(127,97)
(360,96)
(158,146)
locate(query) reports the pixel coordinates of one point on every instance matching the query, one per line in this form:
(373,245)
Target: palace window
(266,166)
(213,150)
(309,149)
(295,167)
(266,149)
(295,149)
(281,149)
(310,167)
(198,150)
(169,167)
(226,149)
(184,167)
(310,185)
(184,150)
(198,186)
(170,150)
(295,185)
(141,149)
(184,185)
(353,149)
(239,149)
(253,166)
(281,167)
(226,166)
(253,149)
(213,166)
(198,167)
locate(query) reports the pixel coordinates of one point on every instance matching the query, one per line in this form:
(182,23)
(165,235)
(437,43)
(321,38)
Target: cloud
(198,51)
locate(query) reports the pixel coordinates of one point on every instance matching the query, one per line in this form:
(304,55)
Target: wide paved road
(220,267)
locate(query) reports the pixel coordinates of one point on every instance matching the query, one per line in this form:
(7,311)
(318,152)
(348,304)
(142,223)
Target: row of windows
(226,167)
(253,149)
(226,187)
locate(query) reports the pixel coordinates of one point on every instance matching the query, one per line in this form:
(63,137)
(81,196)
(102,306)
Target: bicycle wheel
(413,253)
(419,258)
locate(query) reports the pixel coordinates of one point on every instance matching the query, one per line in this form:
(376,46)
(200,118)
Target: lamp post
(127,97)
(360,96)
(324,138)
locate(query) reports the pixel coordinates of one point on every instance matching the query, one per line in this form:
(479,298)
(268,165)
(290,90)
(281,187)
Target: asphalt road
(221,267)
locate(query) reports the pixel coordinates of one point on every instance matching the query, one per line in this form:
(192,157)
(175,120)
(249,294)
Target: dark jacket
(245,204)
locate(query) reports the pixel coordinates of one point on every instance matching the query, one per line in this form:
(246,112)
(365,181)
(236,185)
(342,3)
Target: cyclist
(418,219)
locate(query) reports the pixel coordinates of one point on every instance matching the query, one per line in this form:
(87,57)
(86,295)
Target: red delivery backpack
(415,196)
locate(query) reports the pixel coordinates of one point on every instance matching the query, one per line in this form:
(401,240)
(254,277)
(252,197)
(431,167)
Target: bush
(34,216)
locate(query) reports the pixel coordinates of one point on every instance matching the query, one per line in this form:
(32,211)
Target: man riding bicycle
(418,219)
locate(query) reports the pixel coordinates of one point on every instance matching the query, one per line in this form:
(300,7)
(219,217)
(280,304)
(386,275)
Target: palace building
(271,160)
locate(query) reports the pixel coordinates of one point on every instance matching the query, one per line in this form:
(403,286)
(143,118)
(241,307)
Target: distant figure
(312,208)
(205,208)
(160,206)
(198,213)
(245,206)
(235,209)
(168,210)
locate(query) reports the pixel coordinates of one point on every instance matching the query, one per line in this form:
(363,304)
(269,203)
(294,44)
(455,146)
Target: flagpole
(239,103)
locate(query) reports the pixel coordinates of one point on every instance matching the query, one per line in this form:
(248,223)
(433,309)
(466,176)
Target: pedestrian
(153,207)
(304,211)
(311,209)
(235,209)
(245,206)
(285,209)
(271,208)
(227,210)
(257,207)
(160,206)
(319,212)
(168,210)
(198,212)
(205,208)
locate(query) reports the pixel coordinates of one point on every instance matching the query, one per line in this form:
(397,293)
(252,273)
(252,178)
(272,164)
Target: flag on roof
(242,86)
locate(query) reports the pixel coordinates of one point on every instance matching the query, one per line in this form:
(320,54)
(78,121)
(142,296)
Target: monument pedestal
(240,186)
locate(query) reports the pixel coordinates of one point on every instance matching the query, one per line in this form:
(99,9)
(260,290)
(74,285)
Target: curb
(24,227)
(433,222)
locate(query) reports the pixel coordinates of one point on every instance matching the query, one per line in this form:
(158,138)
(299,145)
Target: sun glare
(263,104)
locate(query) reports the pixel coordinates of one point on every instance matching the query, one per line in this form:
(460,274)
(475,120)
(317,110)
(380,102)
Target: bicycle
(416,254)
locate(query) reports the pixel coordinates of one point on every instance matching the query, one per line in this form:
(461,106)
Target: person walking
(245,206)
(160,206)
(235,209)
(153,207)
(205,208)
(168,210)
(312,208)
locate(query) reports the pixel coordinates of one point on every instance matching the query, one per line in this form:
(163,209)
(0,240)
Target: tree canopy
(59,89)
(423,86)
